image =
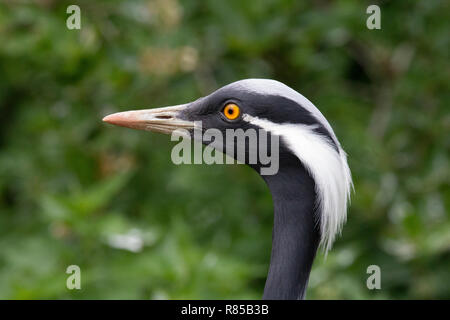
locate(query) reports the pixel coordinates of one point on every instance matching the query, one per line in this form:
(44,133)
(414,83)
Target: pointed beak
(163,120)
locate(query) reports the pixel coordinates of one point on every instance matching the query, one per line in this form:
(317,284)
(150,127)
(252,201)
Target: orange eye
(231,111)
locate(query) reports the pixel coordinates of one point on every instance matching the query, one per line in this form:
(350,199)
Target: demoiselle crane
(311,188)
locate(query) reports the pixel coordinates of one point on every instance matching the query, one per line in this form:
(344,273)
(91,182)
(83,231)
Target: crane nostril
(163,117)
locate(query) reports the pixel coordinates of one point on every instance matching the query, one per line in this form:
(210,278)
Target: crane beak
(163,120)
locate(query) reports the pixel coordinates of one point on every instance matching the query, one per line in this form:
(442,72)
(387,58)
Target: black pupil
(230,111)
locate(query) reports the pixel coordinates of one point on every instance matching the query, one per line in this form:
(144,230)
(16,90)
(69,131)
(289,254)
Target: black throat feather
(296,233)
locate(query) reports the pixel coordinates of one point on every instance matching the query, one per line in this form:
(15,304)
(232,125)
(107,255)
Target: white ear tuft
(327,167)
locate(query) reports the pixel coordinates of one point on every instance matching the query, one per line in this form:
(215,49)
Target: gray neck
(295,236)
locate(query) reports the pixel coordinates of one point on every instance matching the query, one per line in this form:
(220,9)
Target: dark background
(73,190)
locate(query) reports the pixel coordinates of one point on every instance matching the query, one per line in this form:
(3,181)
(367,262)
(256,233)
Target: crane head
(266,107)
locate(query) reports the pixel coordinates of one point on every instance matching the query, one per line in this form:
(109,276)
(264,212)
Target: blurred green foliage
(70,184)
